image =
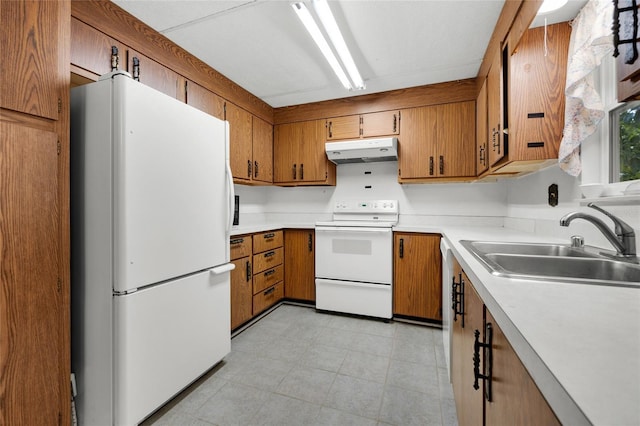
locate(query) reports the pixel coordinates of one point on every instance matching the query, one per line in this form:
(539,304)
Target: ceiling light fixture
(331,27)
(550,6)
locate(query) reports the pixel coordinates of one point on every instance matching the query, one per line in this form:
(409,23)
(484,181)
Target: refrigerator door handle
(218,270)
(231,191)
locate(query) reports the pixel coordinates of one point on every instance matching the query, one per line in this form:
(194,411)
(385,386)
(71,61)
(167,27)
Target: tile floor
(299,367)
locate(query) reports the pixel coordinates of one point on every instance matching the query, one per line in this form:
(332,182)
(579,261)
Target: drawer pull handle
(269,254)
(269,235)
(269,272)
(269,291)
(237,241)
(487,356)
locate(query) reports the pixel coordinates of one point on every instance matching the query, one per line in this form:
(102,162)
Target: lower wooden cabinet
(507,394)
(299,264)
(241,292)
(268,255)
(417,282)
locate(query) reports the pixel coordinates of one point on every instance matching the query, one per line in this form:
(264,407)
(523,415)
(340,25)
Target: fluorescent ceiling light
(331,27)
(551,5)
(312,28)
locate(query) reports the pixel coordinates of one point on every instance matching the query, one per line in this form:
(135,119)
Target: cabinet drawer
(267,278)
(240,246)
(267,241)
(268,297)
(266,260)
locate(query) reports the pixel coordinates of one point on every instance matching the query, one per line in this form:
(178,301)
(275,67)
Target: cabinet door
(469,401)
(347,127)
(384,123)
(156,75)
(456,140)
(31,57)
(299,264)
(417,286)
(537,73)
(31,300)
(240,135)
(482,159)
(515,397)
(312,156)
(286,145)
(494,106)
(262,151)
(416,158)
(241,292)
(91,51)
(205,100)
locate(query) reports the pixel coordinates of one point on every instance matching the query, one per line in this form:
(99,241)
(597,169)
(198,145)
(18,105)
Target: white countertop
(580,343)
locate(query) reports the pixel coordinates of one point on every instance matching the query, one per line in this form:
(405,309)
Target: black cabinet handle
(269,254)
(457,299)
(487,355)
(255,166)
(441,165)
(294,172)
(301,171)
(395,123)
(115,58)
(248,270)
(135,73)
(430,166)
(401,248)
(482,159)
(330,132)
(269,291)
(249,168)
(236,241)
(310,242)
(269,272)
(269,235)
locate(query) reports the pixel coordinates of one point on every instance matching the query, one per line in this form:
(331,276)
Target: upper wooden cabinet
(204,100)
(152,74)
(496,148)
(385,123)
(437,142)
(417,281)
(482,137)
(299,154)
(251,146)
(91,51)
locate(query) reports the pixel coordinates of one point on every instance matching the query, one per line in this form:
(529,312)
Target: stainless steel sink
(553,262)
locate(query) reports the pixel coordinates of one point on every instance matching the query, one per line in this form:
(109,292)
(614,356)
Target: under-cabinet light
(331,27)
(312,28)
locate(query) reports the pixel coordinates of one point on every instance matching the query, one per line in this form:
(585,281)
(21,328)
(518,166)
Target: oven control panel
(371,206)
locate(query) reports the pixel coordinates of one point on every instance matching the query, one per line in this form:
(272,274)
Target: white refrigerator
(151,211)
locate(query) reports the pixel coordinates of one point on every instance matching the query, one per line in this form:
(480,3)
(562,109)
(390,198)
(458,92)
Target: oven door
(359,254)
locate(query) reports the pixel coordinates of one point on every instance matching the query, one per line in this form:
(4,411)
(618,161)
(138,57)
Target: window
(625,142)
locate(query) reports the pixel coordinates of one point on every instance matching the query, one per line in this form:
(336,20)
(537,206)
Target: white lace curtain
(591,40)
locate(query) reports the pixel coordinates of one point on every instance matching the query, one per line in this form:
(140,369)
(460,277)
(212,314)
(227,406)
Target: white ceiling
(262,46)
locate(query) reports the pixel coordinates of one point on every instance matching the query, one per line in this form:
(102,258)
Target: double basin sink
(554,262)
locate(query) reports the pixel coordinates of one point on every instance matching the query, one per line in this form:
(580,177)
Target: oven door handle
(363,230)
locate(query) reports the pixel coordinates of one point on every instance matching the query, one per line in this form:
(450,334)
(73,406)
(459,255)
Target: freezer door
(166,336)
(171,201)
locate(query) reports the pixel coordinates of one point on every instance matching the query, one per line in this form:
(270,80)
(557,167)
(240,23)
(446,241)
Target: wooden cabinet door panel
(456,139)
(91,49)
(347,127)
(157,76)
(299,264)
(482,159)
(205,100)
(240,135)
(494,106)
(31,337)
(241,292)
(286,145)
(312,158)
(384,123)
(417,288)
(515,397)
(262,151)
(31,55)
(416,143)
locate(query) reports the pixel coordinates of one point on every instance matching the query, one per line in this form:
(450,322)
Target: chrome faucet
(623,238)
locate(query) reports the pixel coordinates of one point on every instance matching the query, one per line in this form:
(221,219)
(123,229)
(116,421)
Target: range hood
(362,150)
